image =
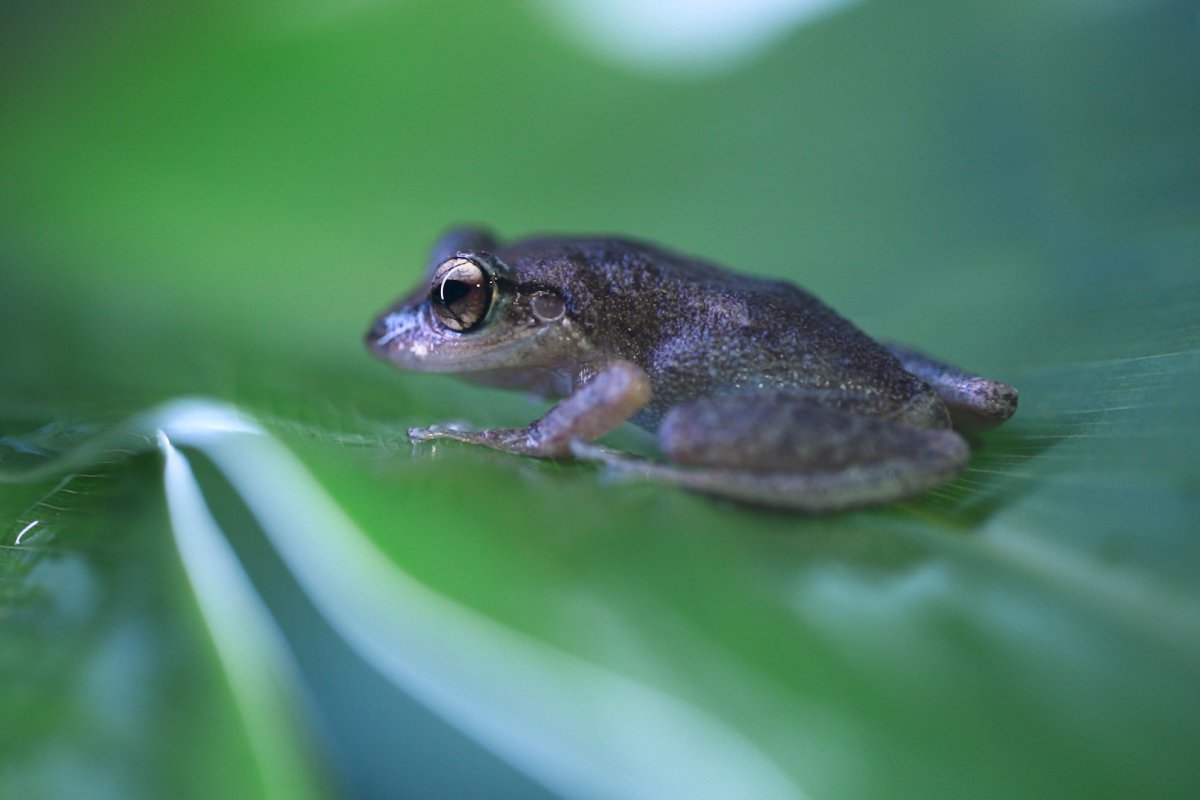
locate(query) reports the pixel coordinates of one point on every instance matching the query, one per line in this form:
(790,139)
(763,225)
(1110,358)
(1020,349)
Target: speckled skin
(698,330)
(758,391)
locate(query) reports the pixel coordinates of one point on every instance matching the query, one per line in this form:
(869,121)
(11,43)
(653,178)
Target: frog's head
(474,315)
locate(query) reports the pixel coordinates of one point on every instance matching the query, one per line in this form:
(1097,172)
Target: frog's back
(700,330)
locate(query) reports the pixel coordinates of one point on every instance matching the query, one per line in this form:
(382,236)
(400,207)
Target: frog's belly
(543,382)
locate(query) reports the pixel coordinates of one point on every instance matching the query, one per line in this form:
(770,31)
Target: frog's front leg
(607,400)
(787,450)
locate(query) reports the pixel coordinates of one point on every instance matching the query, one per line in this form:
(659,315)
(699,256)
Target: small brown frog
(756,390)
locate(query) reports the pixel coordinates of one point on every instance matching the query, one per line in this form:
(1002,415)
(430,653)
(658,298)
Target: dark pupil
(453,291)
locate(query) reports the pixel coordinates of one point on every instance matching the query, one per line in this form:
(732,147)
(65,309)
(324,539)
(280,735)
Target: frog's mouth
(411,339)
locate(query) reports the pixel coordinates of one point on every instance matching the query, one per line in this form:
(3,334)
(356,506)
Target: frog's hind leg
(974,402)
(786,450)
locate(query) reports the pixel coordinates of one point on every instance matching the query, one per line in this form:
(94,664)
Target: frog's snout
(375,334)
(398,336)
(383,333)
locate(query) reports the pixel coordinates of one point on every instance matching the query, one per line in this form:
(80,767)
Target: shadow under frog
(756,390)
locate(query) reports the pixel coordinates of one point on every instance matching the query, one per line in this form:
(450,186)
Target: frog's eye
(461,293)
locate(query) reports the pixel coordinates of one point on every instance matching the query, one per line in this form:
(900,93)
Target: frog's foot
(510,439)
(974,401)
(610,398)
(782,450)
(444,430)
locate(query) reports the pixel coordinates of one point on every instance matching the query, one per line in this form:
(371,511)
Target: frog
(754,390)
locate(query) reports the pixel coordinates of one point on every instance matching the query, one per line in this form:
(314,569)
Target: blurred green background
(212,199)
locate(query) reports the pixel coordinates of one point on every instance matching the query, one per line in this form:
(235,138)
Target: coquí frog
(756,390)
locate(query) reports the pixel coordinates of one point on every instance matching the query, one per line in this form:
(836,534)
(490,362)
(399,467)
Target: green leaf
(225,572)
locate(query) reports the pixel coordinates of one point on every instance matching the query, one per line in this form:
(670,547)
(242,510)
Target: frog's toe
(588,451)
(446,430)
(973,401)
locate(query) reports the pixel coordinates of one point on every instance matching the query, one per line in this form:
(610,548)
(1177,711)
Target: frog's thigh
(973,400)
(609,399)
(785,450)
